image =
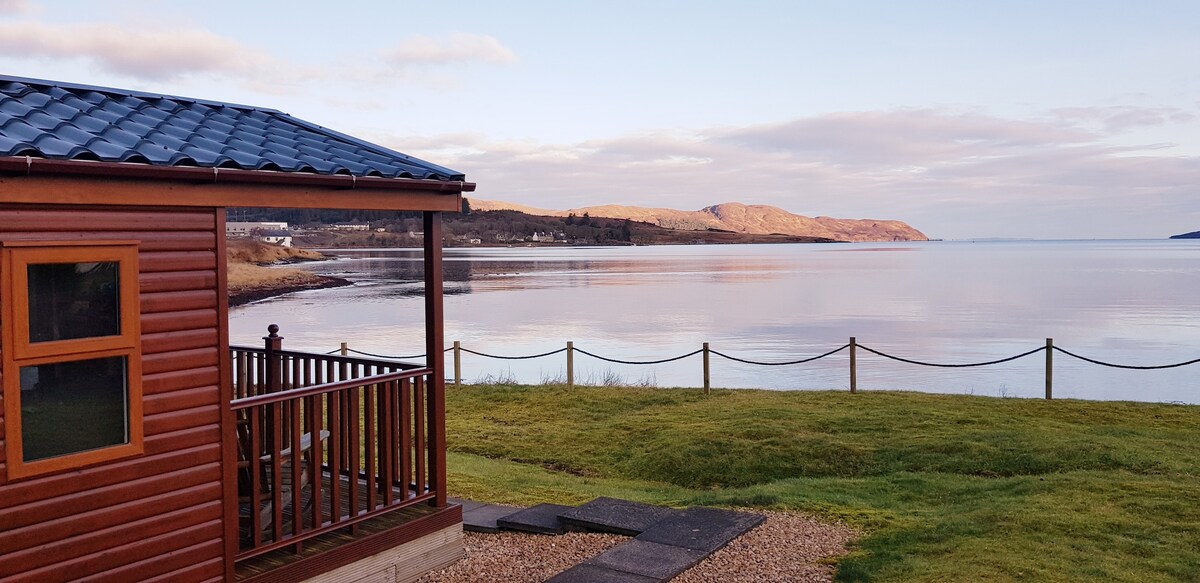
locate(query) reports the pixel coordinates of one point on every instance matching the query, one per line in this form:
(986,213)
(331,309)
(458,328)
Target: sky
(1026,119)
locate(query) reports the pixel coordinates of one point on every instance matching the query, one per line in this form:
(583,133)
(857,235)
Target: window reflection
(73,300)
(69,407)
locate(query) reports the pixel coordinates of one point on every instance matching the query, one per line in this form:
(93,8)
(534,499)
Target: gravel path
(787,547)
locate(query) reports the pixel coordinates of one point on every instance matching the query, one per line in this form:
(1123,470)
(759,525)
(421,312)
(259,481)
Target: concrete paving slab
(540,519)
(585,573)
(648,559)
(702,529)
(483,518)
(467,505)
(615,515)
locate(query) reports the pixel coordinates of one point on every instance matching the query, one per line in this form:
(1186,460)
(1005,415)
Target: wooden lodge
(135,443)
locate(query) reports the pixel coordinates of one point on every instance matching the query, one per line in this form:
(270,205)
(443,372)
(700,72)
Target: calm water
(1130,302)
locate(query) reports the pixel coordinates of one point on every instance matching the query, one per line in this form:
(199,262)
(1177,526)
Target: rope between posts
(942,365)
(801,361)
(552,352)
(613,360)
(382,355)
(1126,366)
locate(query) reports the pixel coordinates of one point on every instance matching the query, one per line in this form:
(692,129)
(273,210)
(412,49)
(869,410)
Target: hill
(734,217)
(1192,235)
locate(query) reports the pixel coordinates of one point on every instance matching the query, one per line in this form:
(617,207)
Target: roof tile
(79,122)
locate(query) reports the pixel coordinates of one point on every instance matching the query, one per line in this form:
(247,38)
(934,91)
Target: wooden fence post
(1049,368)
(457,364)
(345,349)
(570,364)
(706,368)
(853,365)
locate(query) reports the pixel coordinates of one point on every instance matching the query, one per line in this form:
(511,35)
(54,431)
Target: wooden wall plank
(178,340)
(166,281)
(160,403)
(172,321)
(180,379)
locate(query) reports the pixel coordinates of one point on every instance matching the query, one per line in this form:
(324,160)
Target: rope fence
(705,351)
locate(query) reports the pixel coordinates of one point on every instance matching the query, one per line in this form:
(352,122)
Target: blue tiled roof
(65,121)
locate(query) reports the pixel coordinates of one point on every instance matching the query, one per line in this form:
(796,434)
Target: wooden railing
(326,442)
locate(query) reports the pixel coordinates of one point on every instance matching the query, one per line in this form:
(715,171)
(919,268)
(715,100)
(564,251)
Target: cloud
(458,48)
(15,7)
(150,55)
(1123,118)
(950,174)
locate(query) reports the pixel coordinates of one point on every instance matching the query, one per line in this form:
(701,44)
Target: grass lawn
(943,487)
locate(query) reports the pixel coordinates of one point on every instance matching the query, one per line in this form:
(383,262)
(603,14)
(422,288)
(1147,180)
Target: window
(71,348)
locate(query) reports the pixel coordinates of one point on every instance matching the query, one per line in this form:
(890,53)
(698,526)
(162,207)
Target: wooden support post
(1049,368)
(345,349)
(457,364)
(706,387)
(435,359)
(570,364)
(853,365)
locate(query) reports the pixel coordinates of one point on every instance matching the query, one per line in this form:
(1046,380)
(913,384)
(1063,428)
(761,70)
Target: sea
(1125,302)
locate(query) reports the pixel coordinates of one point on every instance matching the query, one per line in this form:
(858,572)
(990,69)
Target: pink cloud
(15,7)
(456,49)
(150,55)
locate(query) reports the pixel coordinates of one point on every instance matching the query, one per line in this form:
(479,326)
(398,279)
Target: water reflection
(1125,301)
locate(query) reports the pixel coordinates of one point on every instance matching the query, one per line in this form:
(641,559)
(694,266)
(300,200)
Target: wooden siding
(157,516)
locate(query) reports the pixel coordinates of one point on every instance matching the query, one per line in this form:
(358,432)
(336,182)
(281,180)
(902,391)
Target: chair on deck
(266,480)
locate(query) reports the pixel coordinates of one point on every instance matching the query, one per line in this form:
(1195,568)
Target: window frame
(17,351)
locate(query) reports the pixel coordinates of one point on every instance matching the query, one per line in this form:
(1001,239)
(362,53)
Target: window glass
(73,300)
(74,406)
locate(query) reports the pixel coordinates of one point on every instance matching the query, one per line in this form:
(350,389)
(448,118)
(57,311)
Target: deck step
(540,519)
(701,529)
(616,516)
(660,562)
(484,518)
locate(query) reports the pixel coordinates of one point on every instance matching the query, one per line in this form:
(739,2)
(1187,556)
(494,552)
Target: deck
(339,459)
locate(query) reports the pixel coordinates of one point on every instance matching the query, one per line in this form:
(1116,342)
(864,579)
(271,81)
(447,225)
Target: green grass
(943,488)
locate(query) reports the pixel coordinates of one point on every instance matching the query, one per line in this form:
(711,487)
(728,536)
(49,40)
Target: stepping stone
(540,519)
(483,518)
(648,559)
(701,529)
(616,516)
(467,505)
(585,573)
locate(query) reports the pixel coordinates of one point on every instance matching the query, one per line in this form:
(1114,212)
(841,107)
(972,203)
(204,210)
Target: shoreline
(283,286)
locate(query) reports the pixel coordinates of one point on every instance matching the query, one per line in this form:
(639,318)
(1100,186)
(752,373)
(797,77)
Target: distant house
(281,238)
(136,444)
(245,228)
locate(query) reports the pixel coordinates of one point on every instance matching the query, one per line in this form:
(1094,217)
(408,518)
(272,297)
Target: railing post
(344,349)
(273,345)
(853,365)
(1049,368)
(570,364)
(457,364)
(706,387)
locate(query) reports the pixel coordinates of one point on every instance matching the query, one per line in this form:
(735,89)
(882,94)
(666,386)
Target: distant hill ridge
(1192,235)
(734,216)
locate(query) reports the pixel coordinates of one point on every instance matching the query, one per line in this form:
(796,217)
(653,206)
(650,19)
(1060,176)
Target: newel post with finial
(273,343)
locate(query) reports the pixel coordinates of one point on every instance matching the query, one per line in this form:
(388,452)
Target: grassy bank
(944,488)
